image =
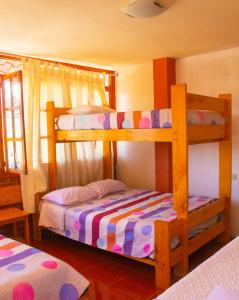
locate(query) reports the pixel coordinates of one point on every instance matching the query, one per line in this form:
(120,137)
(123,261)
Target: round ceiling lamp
(142,8)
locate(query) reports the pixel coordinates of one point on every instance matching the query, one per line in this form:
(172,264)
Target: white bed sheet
(222,269)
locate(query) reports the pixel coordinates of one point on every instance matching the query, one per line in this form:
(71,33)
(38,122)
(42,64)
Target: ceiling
(97,31)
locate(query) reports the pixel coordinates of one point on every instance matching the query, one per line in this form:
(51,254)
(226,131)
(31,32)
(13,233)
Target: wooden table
(12,216)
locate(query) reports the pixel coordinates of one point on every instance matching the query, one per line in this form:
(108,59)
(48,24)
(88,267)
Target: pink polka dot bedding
(157,118)
(120,222)
(27,273)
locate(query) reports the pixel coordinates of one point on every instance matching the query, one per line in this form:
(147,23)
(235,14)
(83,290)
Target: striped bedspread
(27,273)
(157,118)
(121,223)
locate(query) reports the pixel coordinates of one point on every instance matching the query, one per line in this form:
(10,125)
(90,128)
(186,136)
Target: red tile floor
(111,277)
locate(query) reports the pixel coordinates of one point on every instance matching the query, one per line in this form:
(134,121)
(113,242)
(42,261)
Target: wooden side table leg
(27,232)
(14,229)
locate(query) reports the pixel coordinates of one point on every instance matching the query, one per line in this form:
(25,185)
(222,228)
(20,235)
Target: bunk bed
(180,134)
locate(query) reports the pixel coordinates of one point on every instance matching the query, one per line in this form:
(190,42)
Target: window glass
(7,93)
(18,154)
(10,150)
(17,123)
(16,92)
(9,129)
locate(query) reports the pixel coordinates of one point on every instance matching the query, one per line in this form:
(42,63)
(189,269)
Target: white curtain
(77,163)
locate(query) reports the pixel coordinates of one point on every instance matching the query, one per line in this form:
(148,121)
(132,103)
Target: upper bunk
(183,105)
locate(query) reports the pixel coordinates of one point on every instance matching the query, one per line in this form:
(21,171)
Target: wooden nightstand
(12,216)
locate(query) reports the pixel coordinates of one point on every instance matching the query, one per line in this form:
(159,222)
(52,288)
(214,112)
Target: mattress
(28,273)
(222,269)
(158,118)
(121,222)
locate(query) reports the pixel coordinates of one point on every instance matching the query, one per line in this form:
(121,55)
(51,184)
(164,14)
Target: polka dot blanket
(157,118)
(121,222)
(27,273)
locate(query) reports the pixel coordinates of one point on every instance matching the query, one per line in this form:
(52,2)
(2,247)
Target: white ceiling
(97,31)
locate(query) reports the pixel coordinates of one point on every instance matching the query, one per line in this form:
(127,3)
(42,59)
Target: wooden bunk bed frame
(180,135)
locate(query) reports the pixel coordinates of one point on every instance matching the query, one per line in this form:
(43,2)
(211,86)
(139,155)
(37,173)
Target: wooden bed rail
(199,102)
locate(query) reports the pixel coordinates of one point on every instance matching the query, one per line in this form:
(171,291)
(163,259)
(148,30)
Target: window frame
(3,126)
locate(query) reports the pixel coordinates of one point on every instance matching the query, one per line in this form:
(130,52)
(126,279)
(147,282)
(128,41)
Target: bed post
(225,170)
(180,167)
(107,160)
(162,255)
(52,165)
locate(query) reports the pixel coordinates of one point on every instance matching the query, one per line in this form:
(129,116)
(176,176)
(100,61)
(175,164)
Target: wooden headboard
(10,189)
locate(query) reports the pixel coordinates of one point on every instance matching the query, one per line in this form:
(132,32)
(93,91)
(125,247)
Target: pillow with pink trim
(222,293)
(107,186)
(71,195)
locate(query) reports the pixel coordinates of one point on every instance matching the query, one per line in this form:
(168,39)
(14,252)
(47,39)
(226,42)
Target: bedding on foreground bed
(220,273)
(27,273)
(122,222)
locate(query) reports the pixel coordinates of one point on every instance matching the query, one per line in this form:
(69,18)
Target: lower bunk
(139,224)
(28,273)
(216,278)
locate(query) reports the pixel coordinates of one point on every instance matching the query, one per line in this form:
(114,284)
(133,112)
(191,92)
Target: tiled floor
(111,277)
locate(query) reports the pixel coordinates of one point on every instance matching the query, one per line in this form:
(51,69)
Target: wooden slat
(204,213)
(175,228)
(199,102)
(176,256)
(196,134)
(225,169)
(206,133)
(59,111)
(180,150)
(150,135)
(206,236)
(180,167)
(52,164)
(107,160)
(10,195)
(162,255)
(8,215)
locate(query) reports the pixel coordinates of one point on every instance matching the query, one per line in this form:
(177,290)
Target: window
(13,147)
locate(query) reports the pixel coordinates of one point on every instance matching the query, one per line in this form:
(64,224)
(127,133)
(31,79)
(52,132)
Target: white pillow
(222,293)
(106,186)
(71,195)
(90,109)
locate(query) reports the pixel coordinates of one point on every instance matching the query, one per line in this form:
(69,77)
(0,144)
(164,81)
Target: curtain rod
(4,55)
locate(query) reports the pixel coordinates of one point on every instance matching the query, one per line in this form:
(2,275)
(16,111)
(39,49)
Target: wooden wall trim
(84,68)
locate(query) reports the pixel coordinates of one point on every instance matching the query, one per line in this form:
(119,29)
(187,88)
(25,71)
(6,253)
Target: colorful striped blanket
(121,223)
(27,273)
(157,118)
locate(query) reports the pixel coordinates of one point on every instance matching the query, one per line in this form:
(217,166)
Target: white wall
(212,74)
(208,74)
(134,91)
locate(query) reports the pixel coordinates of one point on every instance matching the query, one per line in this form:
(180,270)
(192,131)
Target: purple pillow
(71,195)
(106,186)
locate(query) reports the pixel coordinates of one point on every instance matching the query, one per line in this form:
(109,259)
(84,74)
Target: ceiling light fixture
(142,8)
